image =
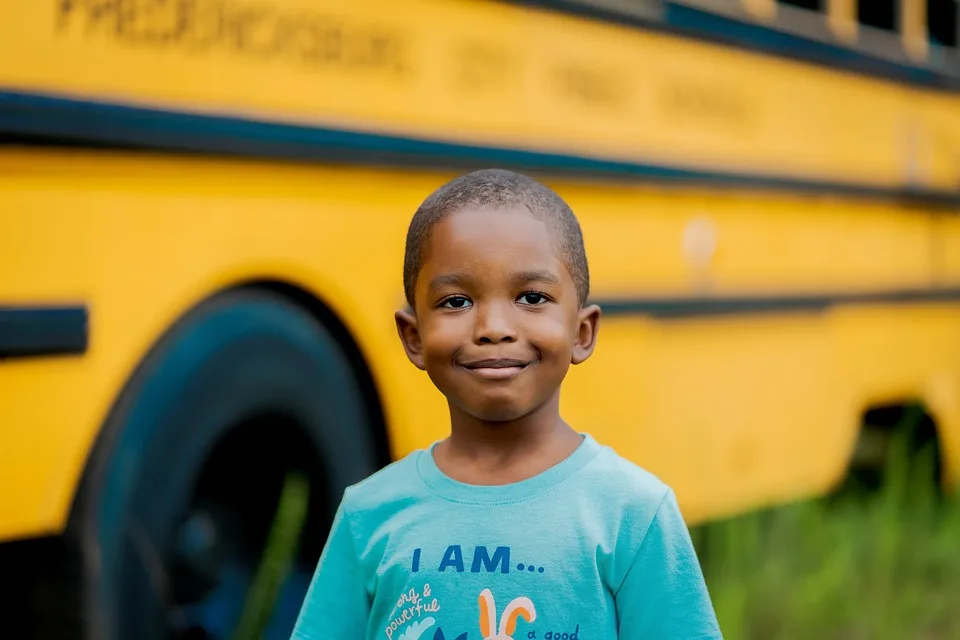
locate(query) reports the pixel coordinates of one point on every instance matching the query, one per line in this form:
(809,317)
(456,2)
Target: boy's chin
(498,413)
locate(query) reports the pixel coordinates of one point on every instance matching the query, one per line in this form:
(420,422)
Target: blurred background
(202,214)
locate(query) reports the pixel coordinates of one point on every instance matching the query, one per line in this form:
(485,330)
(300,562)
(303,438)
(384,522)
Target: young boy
(516,525)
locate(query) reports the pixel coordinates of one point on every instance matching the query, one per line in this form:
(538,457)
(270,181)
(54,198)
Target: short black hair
(498,189)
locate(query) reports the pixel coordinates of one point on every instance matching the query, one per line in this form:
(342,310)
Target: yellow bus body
(734,412)
(857,296)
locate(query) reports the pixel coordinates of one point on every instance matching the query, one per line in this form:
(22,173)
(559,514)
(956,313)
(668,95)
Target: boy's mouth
(495,368)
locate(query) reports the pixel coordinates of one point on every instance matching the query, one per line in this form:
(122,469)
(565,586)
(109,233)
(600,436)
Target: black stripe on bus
(63,330)
(42,119)
(693,307)
(701,24)
(43,331)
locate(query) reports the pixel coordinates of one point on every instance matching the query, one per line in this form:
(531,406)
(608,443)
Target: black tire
(897,443)
(196,420)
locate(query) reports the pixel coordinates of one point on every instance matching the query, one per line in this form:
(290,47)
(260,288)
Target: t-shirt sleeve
(337,604)
(663,595)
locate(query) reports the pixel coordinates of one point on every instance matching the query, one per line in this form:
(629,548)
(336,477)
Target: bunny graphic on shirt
(517,608)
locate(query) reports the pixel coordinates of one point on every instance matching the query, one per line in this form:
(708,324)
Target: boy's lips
(495,368)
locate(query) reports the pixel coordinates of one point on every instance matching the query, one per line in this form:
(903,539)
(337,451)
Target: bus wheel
(244,409)
(898,445)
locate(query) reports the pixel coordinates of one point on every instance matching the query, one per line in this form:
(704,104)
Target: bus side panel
(742,412)
(750,408)
(890,354)
(720,407)
(947,247)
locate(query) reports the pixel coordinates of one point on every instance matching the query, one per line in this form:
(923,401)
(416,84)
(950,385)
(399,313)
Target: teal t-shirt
(594,548)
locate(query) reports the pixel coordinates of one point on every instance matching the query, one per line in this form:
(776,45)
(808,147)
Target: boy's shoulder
(398,481)
(623,487)
(627,500)
(610,469)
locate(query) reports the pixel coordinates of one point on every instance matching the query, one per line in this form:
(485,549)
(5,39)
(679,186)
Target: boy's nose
(494,325)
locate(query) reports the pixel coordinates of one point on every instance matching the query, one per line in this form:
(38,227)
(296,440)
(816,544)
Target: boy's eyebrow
(447,279)
(538,275)
(521,278)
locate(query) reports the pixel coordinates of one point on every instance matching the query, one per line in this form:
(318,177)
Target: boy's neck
(491,453)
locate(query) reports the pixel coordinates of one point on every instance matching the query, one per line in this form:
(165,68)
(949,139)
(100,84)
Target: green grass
(872,567)
(278,558)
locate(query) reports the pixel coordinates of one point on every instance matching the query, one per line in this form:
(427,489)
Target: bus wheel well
(896,433)
(358,364)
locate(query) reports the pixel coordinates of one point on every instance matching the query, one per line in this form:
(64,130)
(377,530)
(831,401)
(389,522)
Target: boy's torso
(539,559)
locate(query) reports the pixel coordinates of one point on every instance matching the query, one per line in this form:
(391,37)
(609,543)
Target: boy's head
(496,276)
(498,189)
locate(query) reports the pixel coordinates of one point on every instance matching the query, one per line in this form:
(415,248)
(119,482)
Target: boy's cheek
(552,334)
(440,343)
(439,355)
(443,328)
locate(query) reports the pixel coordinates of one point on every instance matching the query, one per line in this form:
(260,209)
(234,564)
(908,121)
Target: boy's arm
(336,604)
(664,596)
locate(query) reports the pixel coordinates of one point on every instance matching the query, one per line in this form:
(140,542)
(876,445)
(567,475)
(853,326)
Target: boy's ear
(409,332)
(588,324)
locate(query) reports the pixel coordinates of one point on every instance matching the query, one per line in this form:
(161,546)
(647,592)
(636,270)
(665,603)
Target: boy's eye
(533,298)
(456,302)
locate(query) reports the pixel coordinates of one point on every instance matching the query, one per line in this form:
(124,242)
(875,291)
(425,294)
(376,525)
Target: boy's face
(497,321)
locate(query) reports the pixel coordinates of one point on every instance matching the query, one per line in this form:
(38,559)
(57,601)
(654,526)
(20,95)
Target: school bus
(202,212)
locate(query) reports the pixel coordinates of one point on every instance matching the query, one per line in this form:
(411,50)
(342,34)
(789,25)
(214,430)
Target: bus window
(942,22)
(879,14)
(812,5)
